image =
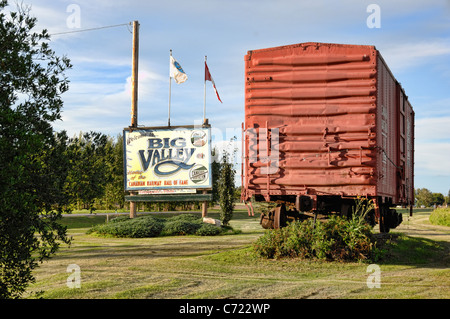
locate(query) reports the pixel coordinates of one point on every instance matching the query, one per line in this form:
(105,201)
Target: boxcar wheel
(280,217)
(266,221)
(384,224)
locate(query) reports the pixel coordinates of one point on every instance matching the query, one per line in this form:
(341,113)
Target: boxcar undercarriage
(294,208)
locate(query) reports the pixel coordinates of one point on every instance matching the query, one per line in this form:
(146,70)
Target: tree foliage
(438,199)
(33,167)
(114,190)
(88,155)
(425,197)
(226,186)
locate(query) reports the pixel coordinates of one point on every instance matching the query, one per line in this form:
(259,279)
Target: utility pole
(134,75)
(134,94)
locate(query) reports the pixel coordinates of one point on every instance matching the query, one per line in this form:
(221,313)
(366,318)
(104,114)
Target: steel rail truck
(324,125)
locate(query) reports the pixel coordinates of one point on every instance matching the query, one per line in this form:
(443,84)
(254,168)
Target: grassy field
(215,267)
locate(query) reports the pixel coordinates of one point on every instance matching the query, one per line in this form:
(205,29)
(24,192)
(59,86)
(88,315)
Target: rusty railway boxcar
(324,124)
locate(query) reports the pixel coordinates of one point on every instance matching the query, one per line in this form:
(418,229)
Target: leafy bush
(126,227)
(119,219)
(208,230)
(440,216)
(149,226)
(180,227)
(186,218)
(336,239)
(271,244)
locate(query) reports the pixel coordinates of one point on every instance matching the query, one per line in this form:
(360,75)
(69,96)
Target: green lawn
(224,266)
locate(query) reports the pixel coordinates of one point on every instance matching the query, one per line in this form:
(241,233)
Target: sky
(413,37)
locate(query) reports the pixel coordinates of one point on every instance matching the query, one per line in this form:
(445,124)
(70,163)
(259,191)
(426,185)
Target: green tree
(215,168)
(437,199)
(447,198)
(114,189)
(226,185)
(32,80)
(423,197)
(55,165)
(89,173)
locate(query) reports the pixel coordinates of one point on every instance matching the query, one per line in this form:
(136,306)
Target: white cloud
(403,55)
(433,129)
(430,107)
(104,107)
(432,158)
(50,17)
(432,153)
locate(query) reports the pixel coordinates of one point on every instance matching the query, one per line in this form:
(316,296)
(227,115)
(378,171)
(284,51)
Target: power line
(93,29)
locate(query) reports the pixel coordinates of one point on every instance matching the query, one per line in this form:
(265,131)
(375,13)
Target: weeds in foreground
(338,239)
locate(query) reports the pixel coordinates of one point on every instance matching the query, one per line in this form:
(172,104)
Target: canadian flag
(208,77)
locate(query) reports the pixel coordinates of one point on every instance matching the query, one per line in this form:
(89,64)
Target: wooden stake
(204,207)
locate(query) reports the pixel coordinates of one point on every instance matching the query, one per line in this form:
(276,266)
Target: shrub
(149,226)
(208,230)
(335,239)
(185,217)
(119,219)
(137,227)
(440,216)
(180,227)
(270,245)
(144,227)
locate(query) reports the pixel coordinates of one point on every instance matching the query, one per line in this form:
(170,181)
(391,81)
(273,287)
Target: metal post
(134,94)
(204,96)
(204,204)
(170,91)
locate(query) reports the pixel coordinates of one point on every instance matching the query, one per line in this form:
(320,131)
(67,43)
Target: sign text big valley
(167,158)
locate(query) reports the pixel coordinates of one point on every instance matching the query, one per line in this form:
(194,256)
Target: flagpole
(170,86)
(204,96)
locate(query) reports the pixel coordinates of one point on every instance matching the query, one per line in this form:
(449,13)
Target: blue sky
(414,39)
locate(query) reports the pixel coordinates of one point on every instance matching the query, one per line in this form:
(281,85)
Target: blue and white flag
(176,71)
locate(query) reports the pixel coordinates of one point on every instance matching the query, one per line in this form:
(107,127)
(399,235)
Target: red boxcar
(325,124)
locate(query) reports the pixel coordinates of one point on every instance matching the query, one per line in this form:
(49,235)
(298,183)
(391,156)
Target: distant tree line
(90,170)
(91,175)
(424,197)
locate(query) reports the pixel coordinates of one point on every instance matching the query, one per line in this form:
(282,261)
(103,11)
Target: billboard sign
(167,158)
